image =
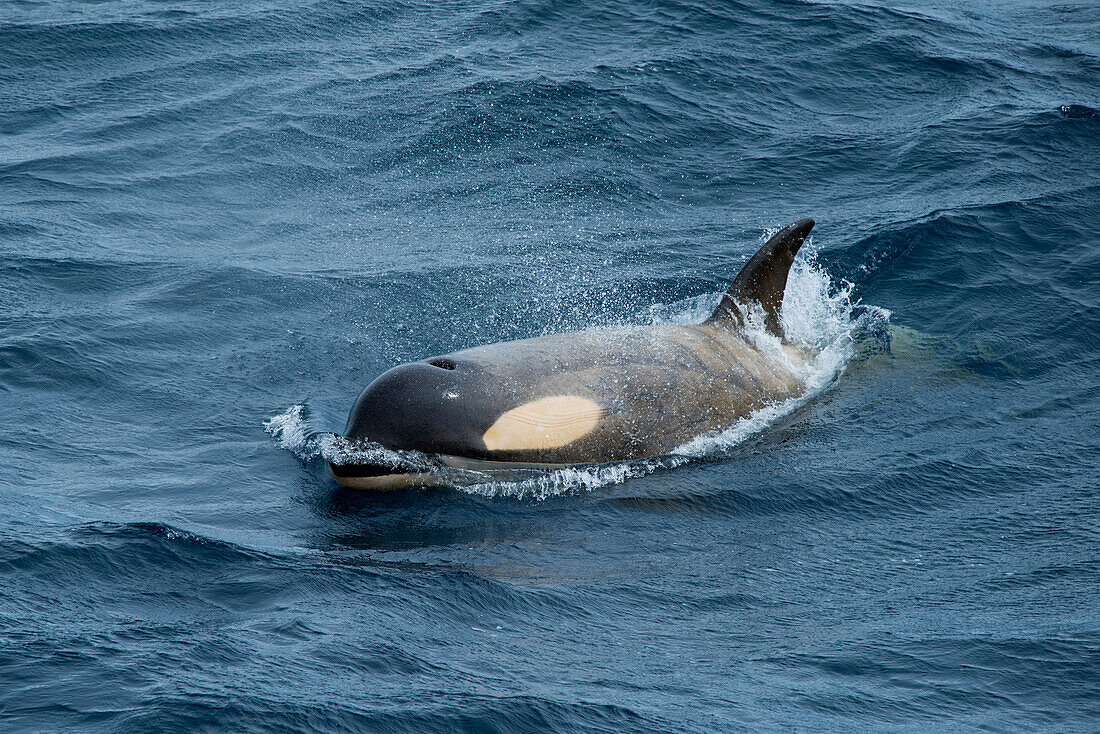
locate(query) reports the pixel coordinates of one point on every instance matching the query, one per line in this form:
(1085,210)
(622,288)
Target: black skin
(405,408)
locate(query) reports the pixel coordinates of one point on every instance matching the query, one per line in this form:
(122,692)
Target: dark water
(212,213)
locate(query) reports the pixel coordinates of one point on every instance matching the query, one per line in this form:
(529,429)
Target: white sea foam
(294,432)
(289,429)
(820,318)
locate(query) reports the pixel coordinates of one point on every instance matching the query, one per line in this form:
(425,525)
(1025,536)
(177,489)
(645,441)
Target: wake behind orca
(586,397)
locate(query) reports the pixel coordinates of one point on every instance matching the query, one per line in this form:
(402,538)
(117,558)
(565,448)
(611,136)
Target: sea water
(220,221)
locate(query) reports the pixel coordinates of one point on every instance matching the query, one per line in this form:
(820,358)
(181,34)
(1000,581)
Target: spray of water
(820,317)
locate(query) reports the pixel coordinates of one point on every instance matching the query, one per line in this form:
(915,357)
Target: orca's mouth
(386,477)
(341,471)
(376,477)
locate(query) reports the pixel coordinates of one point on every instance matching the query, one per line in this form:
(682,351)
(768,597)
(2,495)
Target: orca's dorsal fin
(763,280)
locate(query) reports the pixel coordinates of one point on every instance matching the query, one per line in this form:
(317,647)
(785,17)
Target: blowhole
(443,363)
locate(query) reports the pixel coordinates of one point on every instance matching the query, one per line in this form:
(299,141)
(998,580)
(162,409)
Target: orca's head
(452,406)
(442,405)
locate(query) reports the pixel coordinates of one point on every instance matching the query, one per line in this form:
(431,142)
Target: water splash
(826,325)
(821,319)
(294,430)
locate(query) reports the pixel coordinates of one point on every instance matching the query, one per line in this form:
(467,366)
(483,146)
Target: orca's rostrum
(583,397)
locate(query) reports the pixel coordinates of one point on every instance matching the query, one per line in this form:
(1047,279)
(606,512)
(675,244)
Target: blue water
(217,216)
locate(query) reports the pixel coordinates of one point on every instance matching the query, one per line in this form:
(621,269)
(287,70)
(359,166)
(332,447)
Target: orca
(586,397)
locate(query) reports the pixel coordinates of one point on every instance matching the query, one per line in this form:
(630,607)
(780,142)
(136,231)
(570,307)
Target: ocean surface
(219,221)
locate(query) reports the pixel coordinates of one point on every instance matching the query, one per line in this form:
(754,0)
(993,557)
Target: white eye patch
(545,423)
